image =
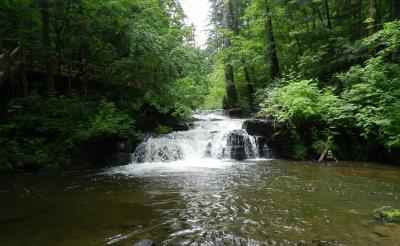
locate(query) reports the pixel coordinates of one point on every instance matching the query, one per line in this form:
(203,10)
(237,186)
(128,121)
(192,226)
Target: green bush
(367,111)
(47,129)
(372,99)
(162,130)
(311,114)
(301,101)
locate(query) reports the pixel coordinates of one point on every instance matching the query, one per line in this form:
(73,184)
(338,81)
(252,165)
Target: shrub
(46,129)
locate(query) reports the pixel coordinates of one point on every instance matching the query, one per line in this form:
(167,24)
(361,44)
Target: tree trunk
(356,28)
(296,37)
(373,14)
(231,94)
(271,47)
(250,85)
(328,15)
(396,10)
(47,46)
(372,26)
(234,19)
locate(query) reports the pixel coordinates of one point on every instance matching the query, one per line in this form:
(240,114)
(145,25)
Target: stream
(184,188)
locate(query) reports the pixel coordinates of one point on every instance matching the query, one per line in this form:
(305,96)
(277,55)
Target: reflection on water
(203,203)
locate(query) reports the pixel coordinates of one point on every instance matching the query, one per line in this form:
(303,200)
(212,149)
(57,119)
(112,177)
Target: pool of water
(204,203)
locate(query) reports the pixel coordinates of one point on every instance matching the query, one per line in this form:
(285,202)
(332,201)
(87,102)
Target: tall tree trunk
(372,27)
(231,93)
(296,37)
(356,28)
(396,10)
(395,16)
(47,46)
(272,56)
(234,19)
(328,15)
(373,14)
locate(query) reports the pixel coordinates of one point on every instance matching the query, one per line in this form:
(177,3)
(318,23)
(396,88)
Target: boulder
(236,113)
(387,213)
(119,159)
(237,153)
(254,127)
(145,242)
(238,146)
(121,146)
(263,148)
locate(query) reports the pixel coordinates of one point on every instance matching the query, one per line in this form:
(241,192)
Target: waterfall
(214,136)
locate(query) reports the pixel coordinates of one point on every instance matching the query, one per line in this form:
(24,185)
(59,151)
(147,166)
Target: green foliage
(216,91)
(299,102)
(312,114)
(119,58)
(372,99)
(388,38)
(46,129)
(300,150)
(161,130)
(358,108)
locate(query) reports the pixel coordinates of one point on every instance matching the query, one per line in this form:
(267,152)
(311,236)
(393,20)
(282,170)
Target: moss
(388,214)
(161,130)
(392,216)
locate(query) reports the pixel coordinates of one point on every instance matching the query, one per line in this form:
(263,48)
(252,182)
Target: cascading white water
(214,135)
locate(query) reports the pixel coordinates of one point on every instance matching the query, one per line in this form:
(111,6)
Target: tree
(44,4)
(373,15)
(396,9)
(231,94)
(328,15)
(272,55)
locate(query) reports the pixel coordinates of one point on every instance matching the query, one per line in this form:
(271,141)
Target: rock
(121,147)
(387,213)
(238,146)
(322,242)
(263,148)
(208,150)
(181,127)
(27,160)
(145,242)
(120,158)
(157,150)
(236,113)
(263,128)
(273,140)
(238,153)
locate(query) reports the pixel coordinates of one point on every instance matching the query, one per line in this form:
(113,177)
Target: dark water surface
(253,203)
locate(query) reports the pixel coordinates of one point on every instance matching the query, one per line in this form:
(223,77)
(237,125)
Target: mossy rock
(388,213)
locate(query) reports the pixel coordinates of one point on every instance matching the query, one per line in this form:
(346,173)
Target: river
(188,198)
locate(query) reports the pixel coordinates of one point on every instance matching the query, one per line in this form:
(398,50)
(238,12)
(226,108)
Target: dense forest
(79,75)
